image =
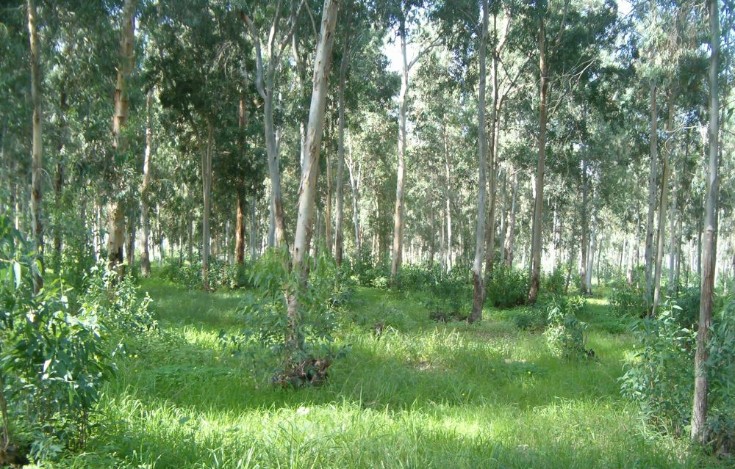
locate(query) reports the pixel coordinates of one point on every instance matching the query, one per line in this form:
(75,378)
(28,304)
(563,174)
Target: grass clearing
(422,394)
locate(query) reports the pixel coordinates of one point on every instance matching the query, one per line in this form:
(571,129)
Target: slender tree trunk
(240,229)
(37,147)
(584,226)
(493,152)
(310,172)
(652,177)
(662,208)
(59,181)
(673,244)
(478,298)
(587,280)
(510,239)
(537,237)
(253,229)
(701,384)
(339,235)
(145,261)
(355,176)
(115,211)
(448,200)
(207,193)
(397,252)
(328,195)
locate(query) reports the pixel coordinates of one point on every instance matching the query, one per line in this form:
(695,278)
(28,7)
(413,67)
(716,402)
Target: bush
(556,282)
(507,287)
(660,378)
(565,334)
(56,348)
(629,301)
(264,309)
(530,319)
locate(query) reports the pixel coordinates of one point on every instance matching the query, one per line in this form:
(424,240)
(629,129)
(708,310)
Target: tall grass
(419,395)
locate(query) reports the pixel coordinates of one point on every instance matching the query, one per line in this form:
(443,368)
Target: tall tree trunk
(355,176)
(328,195)
(510,239)
(584,227)
(701,384)
(397,251)
(240,229)
(652,177)
(673,244)
(115,211)
(253,229)
(339,235)
(145,260)
(310,171)
(207,193)
(59,179)
(448,199)
(662,207)
(537,238)
(478,297)
(37,147)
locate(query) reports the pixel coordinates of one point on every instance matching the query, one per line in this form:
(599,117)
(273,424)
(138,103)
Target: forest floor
(422,394)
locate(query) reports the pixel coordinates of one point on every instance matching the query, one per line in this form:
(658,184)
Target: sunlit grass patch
(417,394)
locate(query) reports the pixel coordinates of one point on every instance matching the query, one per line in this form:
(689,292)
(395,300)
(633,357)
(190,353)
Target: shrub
(264,309)
(660,377)
(629,301)
(565,334)
(555,283)
(533,319)
(507,287)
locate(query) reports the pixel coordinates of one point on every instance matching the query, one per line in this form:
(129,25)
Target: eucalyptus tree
(37,145)
(116,211)
(404,15)
(271,26)
(709,261)
(310,172)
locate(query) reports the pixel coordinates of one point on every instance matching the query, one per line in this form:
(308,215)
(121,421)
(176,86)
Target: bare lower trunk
(652,177)
(37,148)
(397,251)
(240,230)
(510,239)
(145,261)
(355,176)
(338,222)
(584,226)
(536,240)
(662,208)
(448,201)
(207,193)
(478,297)
(701,384)
(116,213)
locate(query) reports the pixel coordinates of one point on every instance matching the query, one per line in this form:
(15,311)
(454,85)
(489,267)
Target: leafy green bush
(56,348)
(629,301)
(264,309)
(530,319)
(507,287)
(660,377)
(555,283)
(565,334)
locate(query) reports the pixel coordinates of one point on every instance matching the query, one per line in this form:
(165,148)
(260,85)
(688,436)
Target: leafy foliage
(507,287)
(264,309)
(55,355)
(659,377)
(565,334)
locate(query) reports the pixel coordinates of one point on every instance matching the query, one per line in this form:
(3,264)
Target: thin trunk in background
(662,206)
(37,147)
(652,177)
(145,261)
(397,251)
(536,239)
(339,235)
(207,193)
(478,297)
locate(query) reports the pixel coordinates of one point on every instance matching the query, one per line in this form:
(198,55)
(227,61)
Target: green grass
(421,395)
